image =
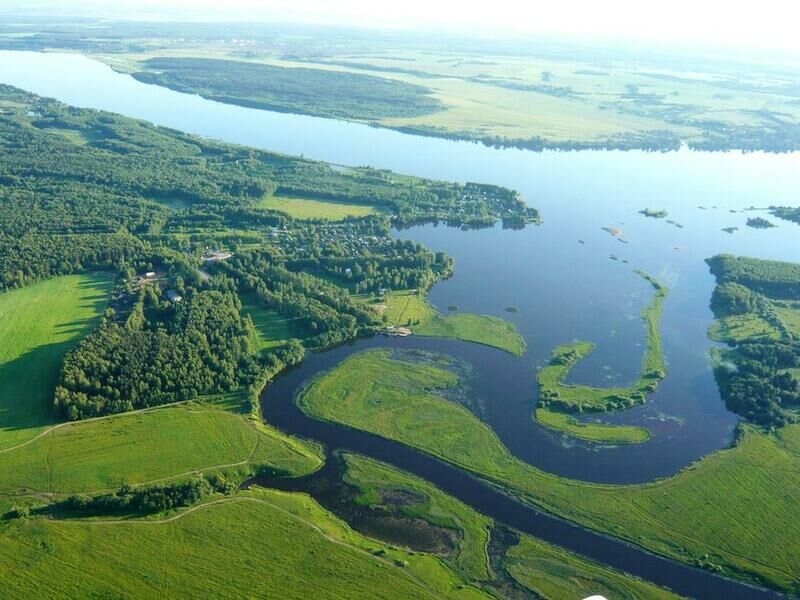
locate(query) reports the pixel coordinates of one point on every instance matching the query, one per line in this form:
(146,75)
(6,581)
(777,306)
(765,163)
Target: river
(568,278)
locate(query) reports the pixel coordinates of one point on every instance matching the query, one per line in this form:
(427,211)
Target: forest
(756,378)
(84,190)
(318,92)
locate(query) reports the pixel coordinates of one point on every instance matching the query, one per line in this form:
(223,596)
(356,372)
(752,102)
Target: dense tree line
(327,311)
(757,380)
(761,388)
(318,92)
(163,353)
(787,213)
(144,500)
(771,278)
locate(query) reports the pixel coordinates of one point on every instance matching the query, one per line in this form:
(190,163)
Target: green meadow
(152,445)
(255,544)
(272,329)
(790,318)
(410,308)
(730,512)
(736,328)
(544,569)
(592,431)
(375,481)
(479,329)
(551,572)
(315,208)
(39,324)
(406,307)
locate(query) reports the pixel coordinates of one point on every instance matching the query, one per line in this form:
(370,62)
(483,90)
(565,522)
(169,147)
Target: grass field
(162,443)
(256,544)
(480,329)
(732,510)
(273,329)
(736,328)
(374,480)
(311,208)
(790,318)
(410,308)
(592,431)
(551,572)
(39,324)
(406,307)
(555,394)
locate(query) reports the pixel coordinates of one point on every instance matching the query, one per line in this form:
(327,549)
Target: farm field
(404,307)
(312,208)
(152,445)
(740,498)
(276,536)
(39,324)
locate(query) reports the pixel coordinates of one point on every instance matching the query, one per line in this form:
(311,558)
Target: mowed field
(733,510)
(152,445)
(312,208)
(273,330)
(38,326)
(256,544)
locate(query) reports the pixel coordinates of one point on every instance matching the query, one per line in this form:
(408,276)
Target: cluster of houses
(341,235)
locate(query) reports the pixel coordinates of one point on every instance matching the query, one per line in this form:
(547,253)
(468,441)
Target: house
(173,296)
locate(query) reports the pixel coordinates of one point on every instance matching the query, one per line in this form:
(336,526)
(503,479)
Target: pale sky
(770,23)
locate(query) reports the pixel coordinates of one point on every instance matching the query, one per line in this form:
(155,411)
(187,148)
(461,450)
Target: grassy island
(697,516)
(591,431)
(555,396)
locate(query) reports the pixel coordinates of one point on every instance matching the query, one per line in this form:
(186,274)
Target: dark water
(559,275)
(280,409)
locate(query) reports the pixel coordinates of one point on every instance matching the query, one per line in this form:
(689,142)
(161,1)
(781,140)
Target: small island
(654,214)
(760,223)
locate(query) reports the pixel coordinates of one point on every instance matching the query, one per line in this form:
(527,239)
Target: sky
(765,23)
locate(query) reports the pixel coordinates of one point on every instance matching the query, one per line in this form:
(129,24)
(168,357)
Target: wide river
(568,278)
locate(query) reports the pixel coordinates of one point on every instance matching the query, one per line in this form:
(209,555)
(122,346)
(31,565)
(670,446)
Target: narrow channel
(279,409)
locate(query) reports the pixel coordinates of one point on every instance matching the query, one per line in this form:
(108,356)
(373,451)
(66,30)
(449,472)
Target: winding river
(568,279)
